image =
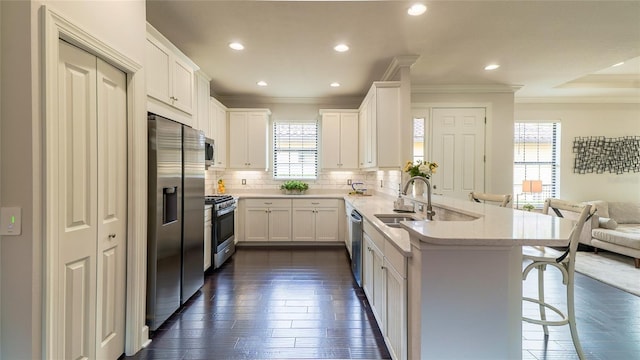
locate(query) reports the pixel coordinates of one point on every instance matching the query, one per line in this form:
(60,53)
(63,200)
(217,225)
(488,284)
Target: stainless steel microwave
(209,152)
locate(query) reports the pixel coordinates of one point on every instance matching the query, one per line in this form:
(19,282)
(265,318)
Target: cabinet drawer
(377,238)
(271,203)
(396,259)
(316,203)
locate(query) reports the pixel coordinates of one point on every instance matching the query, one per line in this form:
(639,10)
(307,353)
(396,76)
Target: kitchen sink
(393,220)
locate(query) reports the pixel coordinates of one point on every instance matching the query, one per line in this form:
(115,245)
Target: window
(418,139)
(536,157)
(295,150)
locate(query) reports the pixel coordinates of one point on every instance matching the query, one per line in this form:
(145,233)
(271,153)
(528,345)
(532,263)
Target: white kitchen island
(465,284)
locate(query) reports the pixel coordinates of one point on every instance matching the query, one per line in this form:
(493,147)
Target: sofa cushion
(607,223)
(624,235)
(601,206)
(624,212)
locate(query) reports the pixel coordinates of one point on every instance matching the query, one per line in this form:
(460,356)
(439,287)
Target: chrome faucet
(430,211)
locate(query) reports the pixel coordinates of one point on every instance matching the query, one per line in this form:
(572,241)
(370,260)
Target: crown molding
(464,89)
(265,100)
(397,63)
(578,100)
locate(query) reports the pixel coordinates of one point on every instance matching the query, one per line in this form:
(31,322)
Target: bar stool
(497,199)
(542,256)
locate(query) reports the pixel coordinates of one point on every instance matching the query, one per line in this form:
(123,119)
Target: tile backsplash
(383,181)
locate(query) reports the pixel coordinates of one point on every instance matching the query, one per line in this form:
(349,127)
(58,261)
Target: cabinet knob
(112,236)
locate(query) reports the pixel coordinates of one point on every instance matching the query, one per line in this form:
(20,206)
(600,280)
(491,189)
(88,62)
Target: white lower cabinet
(267,220)
(208,227)
(316,219)
(385,285)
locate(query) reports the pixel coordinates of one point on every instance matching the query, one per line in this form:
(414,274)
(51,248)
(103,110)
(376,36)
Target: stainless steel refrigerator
(175,241)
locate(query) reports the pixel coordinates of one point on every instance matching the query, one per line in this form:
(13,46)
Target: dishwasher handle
(356,217)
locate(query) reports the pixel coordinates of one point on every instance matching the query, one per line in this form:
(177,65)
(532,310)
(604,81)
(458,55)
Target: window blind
(295,150)
(536,157)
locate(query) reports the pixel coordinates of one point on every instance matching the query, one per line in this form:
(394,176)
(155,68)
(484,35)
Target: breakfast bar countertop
(492,226)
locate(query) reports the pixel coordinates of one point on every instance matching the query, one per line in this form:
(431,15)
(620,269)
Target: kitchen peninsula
(464,284)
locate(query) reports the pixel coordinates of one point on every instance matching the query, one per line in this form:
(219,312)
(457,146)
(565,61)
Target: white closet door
(458,148)
(92,193)
(112,211)
(77,205)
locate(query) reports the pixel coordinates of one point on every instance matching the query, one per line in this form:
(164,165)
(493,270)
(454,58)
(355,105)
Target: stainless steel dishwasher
(356,246)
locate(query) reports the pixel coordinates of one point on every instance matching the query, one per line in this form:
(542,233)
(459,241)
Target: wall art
(599,154)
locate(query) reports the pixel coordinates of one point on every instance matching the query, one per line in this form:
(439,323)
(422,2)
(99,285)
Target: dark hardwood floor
(303,304)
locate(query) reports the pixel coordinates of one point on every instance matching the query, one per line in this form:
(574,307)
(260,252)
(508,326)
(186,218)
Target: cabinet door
(257,141)
(158,68)
(280,224)
(367,266)
(331,141)
(256,224)
(379,289)
(327,224)
(349,140)
(208,227)
(238,140)
(202,105)
(182,86)
(372,133)
(304,224)
(220,136)
(395,313)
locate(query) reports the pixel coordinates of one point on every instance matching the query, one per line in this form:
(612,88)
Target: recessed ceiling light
(341,48)
(335,84)
(262,83)
(618,64)
(236,46)
(491,67)
(417,9)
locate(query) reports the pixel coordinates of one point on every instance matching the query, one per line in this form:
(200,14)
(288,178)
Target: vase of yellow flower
(420,168)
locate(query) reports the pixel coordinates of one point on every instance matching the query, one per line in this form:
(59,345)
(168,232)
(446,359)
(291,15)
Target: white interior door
(458,148)
(112,211)
(77,200)
(92,195)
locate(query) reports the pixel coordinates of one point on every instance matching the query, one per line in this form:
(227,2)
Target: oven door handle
(225,211)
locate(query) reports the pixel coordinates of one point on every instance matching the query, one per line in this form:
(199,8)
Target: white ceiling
(549,48)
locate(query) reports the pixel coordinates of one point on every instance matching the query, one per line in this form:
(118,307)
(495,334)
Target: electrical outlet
(244,181)
(348,181)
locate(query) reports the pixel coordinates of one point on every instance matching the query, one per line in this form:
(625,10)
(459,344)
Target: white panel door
(238,140)
(458,148)
(77,191)
(92,193)
(183,87)
(256,226)
(257,133)
(112,210)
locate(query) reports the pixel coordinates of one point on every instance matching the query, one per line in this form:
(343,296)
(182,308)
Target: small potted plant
(528,207)
(294,187)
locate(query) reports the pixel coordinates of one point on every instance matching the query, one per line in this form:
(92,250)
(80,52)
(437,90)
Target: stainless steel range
(223,219)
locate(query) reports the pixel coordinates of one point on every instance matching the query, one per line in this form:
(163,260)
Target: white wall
(580,120)
(121,24)
(499,131)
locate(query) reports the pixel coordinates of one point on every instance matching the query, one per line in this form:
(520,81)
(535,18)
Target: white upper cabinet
(170,79)
(379,126)
(218,132)
(248,133)
(339,139)
(202,118)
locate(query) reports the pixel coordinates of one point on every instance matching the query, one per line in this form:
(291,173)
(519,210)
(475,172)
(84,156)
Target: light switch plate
(10,221)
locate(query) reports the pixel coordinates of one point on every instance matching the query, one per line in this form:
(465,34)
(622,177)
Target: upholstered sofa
(616,227)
